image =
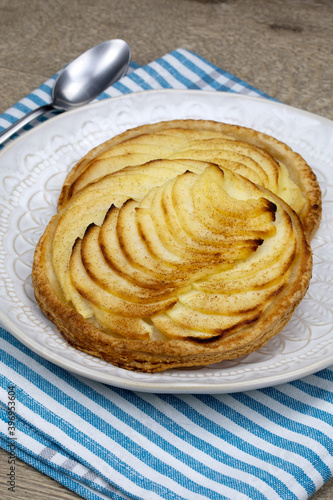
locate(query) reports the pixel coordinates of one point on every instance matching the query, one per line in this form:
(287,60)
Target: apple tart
(180,261)
(259,157)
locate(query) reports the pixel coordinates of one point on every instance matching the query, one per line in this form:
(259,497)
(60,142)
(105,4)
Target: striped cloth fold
(103,442)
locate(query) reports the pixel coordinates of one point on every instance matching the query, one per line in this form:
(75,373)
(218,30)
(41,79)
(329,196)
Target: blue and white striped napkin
(104,442)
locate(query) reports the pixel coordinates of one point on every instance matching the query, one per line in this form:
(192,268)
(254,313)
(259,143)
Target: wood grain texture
(283,48)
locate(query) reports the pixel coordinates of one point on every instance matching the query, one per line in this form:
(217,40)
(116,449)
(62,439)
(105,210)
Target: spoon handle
(15,127)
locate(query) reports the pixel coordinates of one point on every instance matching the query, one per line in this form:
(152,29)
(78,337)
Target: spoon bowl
(90,73)
(81,81)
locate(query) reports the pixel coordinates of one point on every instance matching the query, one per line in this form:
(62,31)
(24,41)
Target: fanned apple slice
(199,232)
(174,331)
(259,271)
(235,161)
(168,227)
(186,135)
(160,240)
(107,278)
(265,165)
(148,143)
(159,170)
(120,185)
(245,199)
(103,167)
(115,257)
(117,325)
(72,223)
(232,303)
(154,221)
(183,322)
(174,255)
(215,209)
(104,299)
(134,246)
(136,151)
(137,253)
(165,208)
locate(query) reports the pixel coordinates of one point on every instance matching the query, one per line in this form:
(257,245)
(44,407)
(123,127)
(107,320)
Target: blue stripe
(139,81)
(134,65)
(159,79)
(206,77)
(145,431)
(163,420)
(223,88)
(22,107)
(122,88)
(102,96)
(326,374)
(286,423)
(92,418)
(45,88)
(177,75)
(9,118)
(307,409)
(36,99)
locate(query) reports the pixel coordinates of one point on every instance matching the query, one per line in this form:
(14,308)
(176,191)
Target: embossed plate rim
(174,381)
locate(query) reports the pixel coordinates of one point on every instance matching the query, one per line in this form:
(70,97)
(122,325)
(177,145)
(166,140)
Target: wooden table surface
(281,47)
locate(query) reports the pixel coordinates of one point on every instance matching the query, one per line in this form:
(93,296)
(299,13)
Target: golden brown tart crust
(178,262)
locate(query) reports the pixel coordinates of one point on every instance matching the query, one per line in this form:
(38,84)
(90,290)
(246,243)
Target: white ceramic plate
(32,170)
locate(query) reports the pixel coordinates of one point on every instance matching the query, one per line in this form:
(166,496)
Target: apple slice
(230,304)
(136,251)
(116,325)
(183,322)
(267,166)
(115,257)
(108,278)
(263,267)
(107,300)
(135,151)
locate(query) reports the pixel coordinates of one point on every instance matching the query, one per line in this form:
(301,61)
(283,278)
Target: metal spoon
(82,80)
